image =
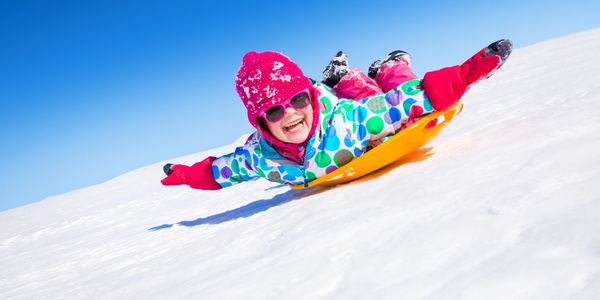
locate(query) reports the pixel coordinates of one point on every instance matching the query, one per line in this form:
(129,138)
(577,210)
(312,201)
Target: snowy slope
(505,205)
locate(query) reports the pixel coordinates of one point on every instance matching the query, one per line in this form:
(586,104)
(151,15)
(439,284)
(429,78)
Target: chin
(297,138)
(296,134)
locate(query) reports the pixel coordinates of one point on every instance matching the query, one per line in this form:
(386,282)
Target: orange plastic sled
(401,144)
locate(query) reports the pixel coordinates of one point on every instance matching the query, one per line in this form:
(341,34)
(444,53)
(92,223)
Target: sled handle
(443,117)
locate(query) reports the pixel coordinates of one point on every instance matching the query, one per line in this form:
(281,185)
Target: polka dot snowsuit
(345,129)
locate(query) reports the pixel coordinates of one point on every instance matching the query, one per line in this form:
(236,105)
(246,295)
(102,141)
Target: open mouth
(294,126)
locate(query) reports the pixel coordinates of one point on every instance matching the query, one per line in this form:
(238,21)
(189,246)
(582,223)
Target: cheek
(309,115)
(274,128)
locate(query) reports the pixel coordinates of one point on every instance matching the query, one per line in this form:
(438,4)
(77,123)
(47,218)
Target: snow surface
(504,205)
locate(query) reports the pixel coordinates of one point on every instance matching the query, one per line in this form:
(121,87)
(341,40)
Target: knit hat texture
(266,79)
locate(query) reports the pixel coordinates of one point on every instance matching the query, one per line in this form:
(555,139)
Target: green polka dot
(236,179)
(412,87)
(377,105)
(342,157)
(326,105)
(322,159)
(375,125)
(235,167)
(311,176)
(260,172)
(257,151)
(244,171)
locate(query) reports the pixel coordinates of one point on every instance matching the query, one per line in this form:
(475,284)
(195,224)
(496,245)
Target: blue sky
(91,90)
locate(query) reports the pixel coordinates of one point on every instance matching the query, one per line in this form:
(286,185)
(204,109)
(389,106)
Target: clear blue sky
(91,90)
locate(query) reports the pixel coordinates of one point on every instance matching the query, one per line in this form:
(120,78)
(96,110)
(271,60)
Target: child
(304,131)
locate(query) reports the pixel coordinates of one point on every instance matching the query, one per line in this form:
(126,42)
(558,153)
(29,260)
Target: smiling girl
(304,131)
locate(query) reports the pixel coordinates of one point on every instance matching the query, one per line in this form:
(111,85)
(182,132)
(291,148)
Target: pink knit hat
(268,78)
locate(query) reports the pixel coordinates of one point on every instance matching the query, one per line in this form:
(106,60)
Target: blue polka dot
(332,143)
(360,114)
(310,153)
(216,173)
(395,114)
(290,177)
(331,131)
(348,141)
(358,152)
(225,184)
(362,132)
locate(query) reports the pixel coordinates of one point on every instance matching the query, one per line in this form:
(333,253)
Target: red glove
(446,86)
(198,176)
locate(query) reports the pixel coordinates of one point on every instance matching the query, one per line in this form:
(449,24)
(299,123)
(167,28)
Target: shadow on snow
(255,207)
(247,210)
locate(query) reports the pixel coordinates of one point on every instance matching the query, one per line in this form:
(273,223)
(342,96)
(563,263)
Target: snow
(504,205)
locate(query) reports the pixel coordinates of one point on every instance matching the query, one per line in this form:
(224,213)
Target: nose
(290,109)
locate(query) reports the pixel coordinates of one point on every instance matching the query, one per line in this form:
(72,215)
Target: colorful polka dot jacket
(345,129)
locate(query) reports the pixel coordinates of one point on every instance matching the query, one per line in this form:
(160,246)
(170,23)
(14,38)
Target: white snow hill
(504,205)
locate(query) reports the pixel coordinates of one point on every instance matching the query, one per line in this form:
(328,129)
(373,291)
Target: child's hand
(198,176)
(446,86)
(485,62)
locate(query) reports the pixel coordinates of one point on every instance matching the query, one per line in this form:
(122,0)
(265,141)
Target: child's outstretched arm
(214,173)
(198,176)
(446,86)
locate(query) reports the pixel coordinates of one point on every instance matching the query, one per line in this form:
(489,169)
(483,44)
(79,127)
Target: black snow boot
(396,55)
(335,70)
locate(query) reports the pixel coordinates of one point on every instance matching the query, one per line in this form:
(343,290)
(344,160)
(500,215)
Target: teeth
(293,124)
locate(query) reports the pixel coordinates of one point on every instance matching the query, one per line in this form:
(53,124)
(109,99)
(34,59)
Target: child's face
(295,125)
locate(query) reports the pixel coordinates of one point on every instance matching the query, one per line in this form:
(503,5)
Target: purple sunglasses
(275,114)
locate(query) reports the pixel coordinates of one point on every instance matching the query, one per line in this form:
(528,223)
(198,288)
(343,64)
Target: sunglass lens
(275,113)
(300,101)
